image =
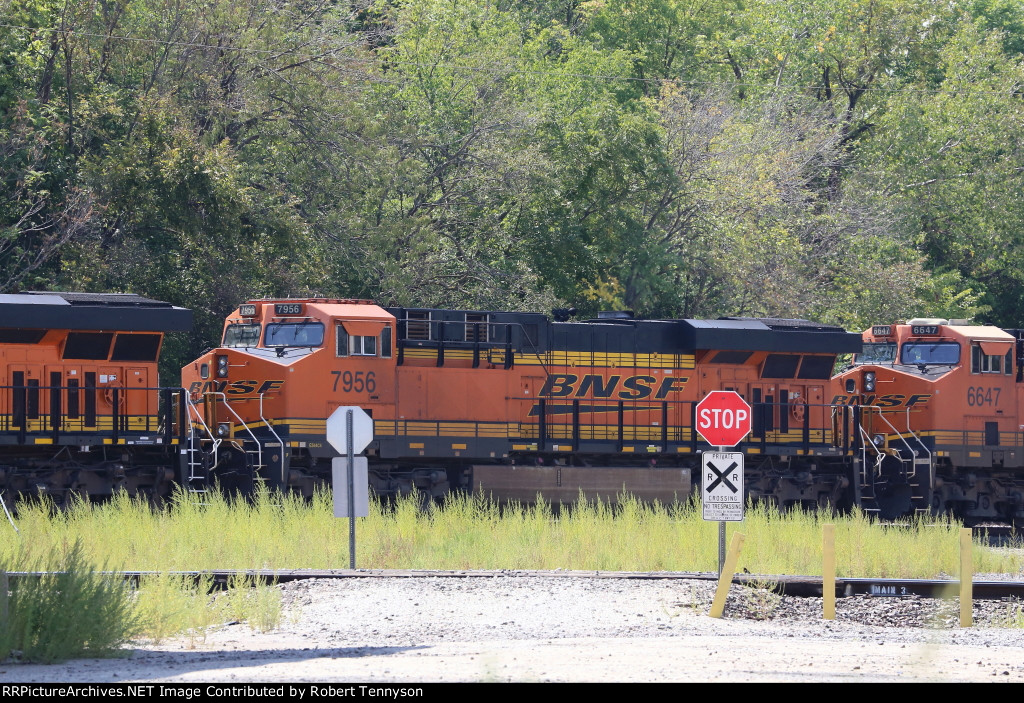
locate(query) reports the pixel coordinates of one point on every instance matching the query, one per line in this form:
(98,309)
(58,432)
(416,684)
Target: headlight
(869,381)
(878,440)
(223,429)
(222,366)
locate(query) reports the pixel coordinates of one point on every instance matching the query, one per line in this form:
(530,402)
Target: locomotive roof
(769,334)
(91,311)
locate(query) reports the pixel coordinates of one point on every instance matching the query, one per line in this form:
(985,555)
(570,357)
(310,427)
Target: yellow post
(828,571)
(725,578)
(966,577)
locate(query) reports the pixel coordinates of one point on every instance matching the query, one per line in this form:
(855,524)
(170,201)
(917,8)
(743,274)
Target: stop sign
(723,418)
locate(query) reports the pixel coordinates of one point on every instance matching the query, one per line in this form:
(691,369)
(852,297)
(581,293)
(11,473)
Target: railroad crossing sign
(722,486)
(723,418)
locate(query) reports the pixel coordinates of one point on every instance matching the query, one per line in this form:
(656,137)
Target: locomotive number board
(924,329)
(288,308)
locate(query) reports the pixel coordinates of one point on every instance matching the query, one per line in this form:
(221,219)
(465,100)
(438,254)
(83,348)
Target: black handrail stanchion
(115,414)
(167,415)
(576,424)
(664,425)
(20,416)
(55,412)
(183,419)
(542,427)
(622,423)
(807,427)
(440,343)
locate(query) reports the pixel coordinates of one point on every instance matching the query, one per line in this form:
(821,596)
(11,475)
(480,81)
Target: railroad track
(799,586)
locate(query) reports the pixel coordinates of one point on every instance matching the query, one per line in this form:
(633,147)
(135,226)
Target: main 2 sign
(723,418)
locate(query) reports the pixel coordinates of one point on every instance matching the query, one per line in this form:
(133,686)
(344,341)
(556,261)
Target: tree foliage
(854,161)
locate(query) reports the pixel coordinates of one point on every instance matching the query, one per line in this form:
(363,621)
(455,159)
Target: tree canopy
(851,161)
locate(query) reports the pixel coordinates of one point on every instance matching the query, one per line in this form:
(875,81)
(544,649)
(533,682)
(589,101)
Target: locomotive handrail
(913,452)
(72,418)
(920,442)
(879,454)
(269,426)
(213,438)
(259,447)
(441,343)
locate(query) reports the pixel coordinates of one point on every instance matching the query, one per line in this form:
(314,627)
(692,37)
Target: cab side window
(342,340)
(990,363)
(362,345)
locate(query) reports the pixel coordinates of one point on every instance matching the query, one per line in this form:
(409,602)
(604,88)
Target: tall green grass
(471,532)
(79,612)
(70,610)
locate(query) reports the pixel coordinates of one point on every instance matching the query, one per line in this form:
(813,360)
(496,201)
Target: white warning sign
(722,486)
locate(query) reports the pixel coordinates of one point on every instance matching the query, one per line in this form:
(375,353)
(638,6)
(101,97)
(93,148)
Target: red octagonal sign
(723,418)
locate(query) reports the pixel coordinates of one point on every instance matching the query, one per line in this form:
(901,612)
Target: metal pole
(721,547)
(351,493)
(721,539)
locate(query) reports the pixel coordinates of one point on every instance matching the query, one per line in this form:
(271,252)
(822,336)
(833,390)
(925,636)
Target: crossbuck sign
(722,486)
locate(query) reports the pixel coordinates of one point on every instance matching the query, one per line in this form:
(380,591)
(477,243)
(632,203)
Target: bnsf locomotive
(514,404)
(927,418)
(81,407)
(937,408)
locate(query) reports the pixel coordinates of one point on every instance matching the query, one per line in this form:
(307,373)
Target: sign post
(349,430)
(723,420)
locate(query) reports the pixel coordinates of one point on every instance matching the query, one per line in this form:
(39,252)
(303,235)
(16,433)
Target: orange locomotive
(514,404)
(933,414)
(81,411)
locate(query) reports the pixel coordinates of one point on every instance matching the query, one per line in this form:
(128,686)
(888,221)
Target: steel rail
(799,586)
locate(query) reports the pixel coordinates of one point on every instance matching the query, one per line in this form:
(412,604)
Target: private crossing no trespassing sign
(722,486)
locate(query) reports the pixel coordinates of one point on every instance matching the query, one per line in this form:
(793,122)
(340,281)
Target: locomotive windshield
(931,353)
(237,335)
(294,334)
(877,354)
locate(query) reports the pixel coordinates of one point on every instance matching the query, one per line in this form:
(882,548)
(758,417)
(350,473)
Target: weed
(70,610)
(761,598)
(1012,617)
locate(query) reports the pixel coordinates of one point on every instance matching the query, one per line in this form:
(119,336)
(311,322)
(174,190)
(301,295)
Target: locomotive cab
(260,400)
(930,408)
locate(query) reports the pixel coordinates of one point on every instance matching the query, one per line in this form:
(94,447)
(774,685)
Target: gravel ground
(566,629)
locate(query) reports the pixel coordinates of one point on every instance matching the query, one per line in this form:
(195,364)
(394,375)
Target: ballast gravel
(509,628)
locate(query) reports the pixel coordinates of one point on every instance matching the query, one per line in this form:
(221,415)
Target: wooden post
(966,578)
(725,578)
(828,571)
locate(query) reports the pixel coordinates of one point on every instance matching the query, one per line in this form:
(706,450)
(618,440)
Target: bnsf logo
(565,385)
(894,400)
(235,388)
